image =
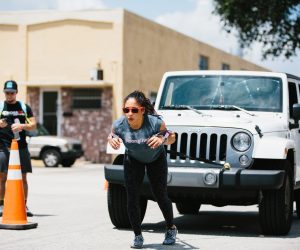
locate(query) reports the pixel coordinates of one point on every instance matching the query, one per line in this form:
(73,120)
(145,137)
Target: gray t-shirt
(135,140)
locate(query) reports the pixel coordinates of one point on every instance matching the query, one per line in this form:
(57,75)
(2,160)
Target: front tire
(276,207)
(189,207)
(118,160)
(51,158)
(117,206)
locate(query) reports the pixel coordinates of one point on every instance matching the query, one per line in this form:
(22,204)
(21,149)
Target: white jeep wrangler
(237,143)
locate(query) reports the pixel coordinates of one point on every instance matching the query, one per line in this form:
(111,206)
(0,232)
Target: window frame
(87,98)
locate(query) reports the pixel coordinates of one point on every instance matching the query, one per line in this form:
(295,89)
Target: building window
(225,66)
(203,62)
(87,98)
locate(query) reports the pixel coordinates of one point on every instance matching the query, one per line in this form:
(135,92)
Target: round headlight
(241,141)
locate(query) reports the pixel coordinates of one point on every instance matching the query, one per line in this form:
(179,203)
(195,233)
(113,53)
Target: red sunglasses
(132,109)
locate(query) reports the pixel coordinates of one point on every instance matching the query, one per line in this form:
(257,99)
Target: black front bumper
(225,179)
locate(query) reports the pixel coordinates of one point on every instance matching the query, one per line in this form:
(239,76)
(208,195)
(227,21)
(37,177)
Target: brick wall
(91,127)
(33,95)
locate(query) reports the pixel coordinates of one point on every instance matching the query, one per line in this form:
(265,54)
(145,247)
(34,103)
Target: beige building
(75,68)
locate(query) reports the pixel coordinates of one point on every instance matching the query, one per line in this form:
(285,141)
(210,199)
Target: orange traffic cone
(105,184)
(14,210)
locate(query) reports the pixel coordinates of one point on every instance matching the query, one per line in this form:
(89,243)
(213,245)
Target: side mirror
(296,112)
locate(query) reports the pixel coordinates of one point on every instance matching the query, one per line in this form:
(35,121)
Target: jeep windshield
(203,92)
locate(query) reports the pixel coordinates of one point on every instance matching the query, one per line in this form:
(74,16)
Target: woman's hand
(114,142)
(170,138)
(155,141)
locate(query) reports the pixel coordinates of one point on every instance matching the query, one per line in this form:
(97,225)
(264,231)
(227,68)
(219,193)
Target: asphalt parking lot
(71,211)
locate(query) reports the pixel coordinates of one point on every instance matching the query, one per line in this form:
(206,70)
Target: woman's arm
(163,137)
(169,137)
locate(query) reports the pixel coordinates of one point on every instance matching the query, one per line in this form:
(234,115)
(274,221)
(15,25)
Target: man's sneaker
(29,214)
(1,210)
(170,236)
(138,242)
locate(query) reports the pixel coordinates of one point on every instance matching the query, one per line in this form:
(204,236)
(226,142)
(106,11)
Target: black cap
(10,86)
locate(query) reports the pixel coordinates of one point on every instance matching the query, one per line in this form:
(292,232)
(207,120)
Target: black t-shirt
(11,112)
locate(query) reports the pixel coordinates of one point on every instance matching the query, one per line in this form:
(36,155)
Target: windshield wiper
(231,107)
(181,107)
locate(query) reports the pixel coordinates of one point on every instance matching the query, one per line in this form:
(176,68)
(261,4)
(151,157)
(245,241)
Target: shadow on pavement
(221,223)
(179,245)
(43,215)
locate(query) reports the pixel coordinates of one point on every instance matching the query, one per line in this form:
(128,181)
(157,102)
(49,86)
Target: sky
(190,17)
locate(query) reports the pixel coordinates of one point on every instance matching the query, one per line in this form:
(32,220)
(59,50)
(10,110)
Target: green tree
(274,23)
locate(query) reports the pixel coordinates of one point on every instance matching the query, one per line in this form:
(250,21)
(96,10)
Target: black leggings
(157,171)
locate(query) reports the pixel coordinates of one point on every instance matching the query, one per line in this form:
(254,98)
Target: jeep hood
(267,122)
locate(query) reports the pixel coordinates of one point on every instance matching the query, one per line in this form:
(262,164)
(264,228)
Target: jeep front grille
(209,143)
(207,146)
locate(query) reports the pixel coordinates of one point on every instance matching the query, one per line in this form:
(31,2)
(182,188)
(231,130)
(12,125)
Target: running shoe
(170,236)
(138,242)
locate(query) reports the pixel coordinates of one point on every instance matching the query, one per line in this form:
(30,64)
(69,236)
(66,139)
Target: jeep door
(294,97)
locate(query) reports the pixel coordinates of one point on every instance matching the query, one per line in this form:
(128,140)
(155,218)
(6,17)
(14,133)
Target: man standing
(15,118)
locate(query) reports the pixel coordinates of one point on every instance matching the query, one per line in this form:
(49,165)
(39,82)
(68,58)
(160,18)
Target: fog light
(244,159)
(210,178)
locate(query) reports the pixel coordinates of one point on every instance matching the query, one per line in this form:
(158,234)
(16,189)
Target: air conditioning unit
(96,74)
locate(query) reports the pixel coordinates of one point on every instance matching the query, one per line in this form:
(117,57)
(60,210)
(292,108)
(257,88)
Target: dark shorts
(24,160)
